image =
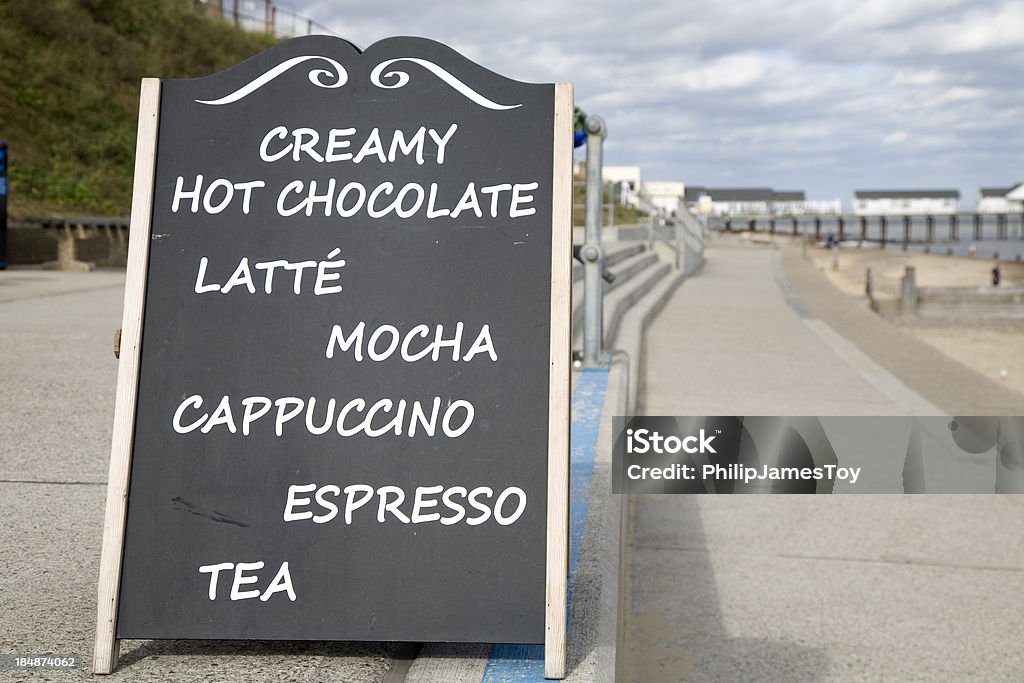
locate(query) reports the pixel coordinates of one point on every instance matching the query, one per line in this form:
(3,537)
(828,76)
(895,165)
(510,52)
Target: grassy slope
(69,87)
(624,215)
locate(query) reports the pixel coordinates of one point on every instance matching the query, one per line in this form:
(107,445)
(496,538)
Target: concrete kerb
(630,336)
(597,606)
(595,620)
(607,525)
(623,300)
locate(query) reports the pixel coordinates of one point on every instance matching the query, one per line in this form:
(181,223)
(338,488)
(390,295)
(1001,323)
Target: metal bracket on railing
(607,275)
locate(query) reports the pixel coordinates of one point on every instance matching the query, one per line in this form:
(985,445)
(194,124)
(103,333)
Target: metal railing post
(680,243)
(592,252)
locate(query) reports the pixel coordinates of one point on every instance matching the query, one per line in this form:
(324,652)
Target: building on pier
(759,201)
(1001,199)
(905,202)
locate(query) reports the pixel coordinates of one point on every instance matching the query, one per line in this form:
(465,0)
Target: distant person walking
(832,243)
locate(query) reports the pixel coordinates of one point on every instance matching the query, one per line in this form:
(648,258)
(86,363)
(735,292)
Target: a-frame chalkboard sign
(342,403)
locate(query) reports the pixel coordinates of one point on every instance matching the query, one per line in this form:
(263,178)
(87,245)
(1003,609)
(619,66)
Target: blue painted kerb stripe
(525,663)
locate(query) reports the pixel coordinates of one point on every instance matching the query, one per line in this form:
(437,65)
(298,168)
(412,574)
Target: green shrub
(69,88)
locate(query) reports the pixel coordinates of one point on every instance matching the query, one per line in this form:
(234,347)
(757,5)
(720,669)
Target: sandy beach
(993,347)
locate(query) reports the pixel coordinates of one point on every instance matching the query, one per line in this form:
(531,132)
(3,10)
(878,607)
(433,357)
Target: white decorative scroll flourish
(316,77)
(403,78)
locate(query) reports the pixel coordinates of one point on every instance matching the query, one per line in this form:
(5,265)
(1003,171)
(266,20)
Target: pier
(992,234)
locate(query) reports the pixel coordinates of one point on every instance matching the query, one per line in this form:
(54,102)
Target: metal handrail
(278,21)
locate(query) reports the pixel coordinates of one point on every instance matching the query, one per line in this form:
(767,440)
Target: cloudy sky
(825,96)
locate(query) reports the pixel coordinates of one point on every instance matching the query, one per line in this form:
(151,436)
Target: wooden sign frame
(107,645)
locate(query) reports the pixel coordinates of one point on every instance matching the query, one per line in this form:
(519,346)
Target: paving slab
(731,344)
(756,614)
(805,588)
(59,374)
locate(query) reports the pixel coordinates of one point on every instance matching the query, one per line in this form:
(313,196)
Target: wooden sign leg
(558,430)
(106,651)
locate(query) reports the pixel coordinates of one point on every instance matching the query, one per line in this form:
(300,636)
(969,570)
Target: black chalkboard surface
(347,357)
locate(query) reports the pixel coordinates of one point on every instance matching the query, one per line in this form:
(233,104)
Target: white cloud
(808,94)
(916,77)
(731,71)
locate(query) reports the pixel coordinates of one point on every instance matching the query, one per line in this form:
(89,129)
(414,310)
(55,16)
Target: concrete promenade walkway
(804,588)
